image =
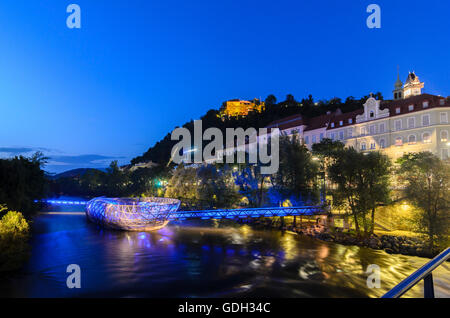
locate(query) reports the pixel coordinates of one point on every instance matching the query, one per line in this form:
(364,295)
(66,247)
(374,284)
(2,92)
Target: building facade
(237,107)
(411,122)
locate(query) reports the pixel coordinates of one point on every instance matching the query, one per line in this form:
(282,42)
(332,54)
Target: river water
(203,259)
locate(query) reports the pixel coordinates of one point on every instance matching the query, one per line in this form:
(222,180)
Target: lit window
(363,146)
(332,125)
(444,135)
(373,146)
(341,123)
(444,118)
(397,110)
(398,125)
(426,120)
(382,144)
(411,122)
(398,141)
(411,108)
(425,104)
(412,139)
(350,121)
(426,137)
(382,127)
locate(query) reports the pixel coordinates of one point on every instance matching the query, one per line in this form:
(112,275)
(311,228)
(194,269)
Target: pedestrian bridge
(248,213)
(224,213)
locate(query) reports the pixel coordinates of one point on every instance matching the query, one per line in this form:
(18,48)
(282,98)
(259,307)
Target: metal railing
(425,273)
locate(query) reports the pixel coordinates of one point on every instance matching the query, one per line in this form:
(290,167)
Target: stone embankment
(411,246)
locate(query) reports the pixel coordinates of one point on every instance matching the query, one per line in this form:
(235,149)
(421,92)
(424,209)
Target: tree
(14,235)
(290,98)
(206,187)
(217,187)
(251,184)
(297,172)
(327,148)
(325,152)
(22,181)
(116,181)
(270,100)
(362,183)
(427,181)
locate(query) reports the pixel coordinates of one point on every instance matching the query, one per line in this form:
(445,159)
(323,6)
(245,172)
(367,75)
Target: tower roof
(412,79)
(398,84)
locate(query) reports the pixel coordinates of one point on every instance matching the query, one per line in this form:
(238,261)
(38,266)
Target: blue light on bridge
(61,202)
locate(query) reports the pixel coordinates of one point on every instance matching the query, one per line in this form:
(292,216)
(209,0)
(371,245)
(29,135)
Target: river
(202,259)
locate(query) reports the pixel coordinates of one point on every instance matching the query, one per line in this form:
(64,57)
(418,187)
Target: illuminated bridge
(248,212)
(146,214)
(226,213)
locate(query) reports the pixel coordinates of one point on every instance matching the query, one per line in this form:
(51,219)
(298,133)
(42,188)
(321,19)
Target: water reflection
(201,261)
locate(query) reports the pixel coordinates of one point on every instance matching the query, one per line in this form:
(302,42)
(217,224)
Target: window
(350,121)
(412,139)
(382,144)
(398,125)
(425,120)
(341,135)
(382,127)
(444,118)
(373,146)
(332,125)
(314,139)
(333,136)
(372,114)
(350,133)
(426,137)
(306,139)
(341,123)
(398,141)
(397,110)
(411,108)
(363,145)
(425,104)
(445,155)
(441,102)
(411,122)
(363,131)
(444,135)
(321,136)
(372,130)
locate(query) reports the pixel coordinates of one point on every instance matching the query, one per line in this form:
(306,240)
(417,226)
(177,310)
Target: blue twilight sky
(136,69)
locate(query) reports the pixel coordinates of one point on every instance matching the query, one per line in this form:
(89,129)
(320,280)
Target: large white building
(411,122)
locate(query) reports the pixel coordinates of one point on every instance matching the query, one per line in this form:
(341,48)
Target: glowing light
(133,214)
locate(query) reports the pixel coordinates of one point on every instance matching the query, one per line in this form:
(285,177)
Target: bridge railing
(248,212)
(425,273)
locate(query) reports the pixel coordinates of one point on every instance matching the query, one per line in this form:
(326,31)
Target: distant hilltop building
(237,107)
(411,122)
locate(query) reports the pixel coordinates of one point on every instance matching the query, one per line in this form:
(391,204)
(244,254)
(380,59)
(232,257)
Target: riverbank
(392,244)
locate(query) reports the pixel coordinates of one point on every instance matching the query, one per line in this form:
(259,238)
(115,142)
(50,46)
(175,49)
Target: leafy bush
(14,235)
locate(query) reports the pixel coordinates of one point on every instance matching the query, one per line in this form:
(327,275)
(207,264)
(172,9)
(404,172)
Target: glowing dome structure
(131,214)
